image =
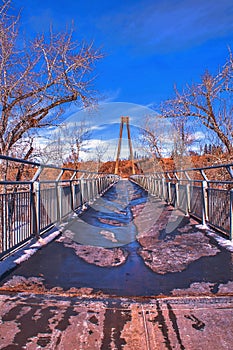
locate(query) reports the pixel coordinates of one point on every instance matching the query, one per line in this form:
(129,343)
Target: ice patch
(108,235)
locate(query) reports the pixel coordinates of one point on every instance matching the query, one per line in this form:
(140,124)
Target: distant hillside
(125,168)
(142,166)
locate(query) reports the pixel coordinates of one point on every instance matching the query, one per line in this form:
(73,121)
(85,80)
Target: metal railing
(209,200)
(29,208)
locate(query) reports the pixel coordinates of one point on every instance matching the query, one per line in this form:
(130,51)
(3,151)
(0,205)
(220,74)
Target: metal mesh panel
(196,201)
(156,188)
(15,219)
(65,200)
(219,208)
(84,191)
(48,207)
(166,192)
(173,194)
(90,190)
(183,197)
(77,196)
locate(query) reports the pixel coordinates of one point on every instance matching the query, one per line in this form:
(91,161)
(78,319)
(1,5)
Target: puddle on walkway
(128,243)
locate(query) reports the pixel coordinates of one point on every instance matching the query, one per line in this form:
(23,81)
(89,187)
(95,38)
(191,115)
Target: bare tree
(183,136)
(153,143)
(51,149)
(208,102)
(163,138)
(38,78)
(100,150)
(152,138)
(66,143)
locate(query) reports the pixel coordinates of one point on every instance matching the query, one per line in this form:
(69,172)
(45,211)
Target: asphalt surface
(130,272)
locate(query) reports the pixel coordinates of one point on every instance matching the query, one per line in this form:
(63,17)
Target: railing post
(149,184)
(4,222)
(89,190)
(79,193)
(100,186)
(37,218)
(92,190)
(188,199)
(103,185)
(153,185)
(84,191)
(164,189)
(204,202)
(177,203)
(231,215)
(97,187)
(144,182)
(159,188)
(169,192)
(58,195)
(72,195)
(33,208)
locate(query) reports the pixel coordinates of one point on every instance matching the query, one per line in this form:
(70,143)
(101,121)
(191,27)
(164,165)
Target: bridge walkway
(130,272)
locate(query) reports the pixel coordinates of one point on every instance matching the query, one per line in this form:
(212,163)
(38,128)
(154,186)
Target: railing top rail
(186,172)
(18,160)
(217,166)
(50,166)
(16,182)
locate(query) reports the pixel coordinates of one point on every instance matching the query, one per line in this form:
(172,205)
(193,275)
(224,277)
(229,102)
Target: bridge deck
(128,273)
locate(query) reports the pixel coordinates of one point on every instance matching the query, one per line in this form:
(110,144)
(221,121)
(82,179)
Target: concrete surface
(53,322)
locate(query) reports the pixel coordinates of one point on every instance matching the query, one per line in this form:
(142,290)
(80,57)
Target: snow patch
(202,227)
(223,242)
(27,253)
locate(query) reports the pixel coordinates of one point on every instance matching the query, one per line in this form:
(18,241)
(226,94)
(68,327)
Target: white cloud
(199,135)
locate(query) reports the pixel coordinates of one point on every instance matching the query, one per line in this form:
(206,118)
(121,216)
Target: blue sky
(149,45)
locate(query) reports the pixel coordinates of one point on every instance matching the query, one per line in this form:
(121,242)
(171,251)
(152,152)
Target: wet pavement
(130,272)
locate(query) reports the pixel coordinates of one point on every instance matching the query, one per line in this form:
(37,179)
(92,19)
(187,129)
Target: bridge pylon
(124,120)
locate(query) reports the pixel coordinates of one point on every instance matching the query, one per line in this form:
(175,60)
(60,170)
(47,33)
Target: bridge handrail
(51,166)
(209,200)
(198,168)
(201,170)
(30,207)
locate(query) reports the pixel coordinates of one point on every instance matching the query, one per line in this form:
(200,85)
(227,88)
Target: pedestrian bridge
(49,194)
(139,263)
